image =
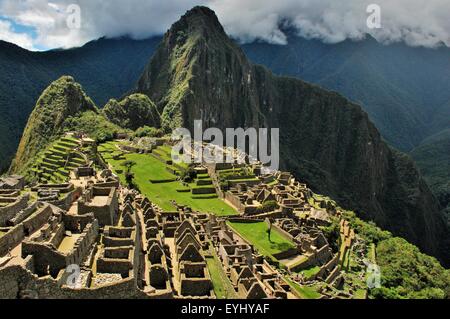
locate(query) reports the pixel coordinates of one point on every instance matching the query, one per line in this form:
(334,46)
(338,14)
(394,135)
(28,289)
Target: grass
(360,294)
(309,272)
(273,183)
(163,193)
(256,233)
(2,234)
(52,164)
(149,168)
(221,284)
(304,292)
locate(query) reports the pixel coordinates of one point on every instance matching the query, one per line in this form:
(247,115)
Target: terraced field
(156,179)
(58,160)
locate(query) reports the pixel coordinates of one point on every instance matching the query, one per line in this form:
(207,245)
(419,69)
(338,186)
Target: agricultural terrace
(56,162)
(152,175)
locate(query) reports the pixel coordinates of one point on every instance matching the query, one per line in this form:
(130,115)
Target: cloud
(415,22)
(21,39)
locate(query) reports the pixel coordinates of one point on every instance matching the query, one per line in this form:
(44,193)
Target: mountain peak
(198,20)
(196,52)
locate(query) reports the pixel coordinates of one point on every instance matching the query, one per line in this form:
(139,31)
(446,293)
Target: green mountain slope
(199,73)
(62,107)
(433,159)
(97,66)
(403,89)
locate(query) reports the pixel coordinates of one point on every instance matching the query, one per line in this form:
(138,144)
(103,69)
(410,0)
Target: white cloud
(414,21)
(21,39)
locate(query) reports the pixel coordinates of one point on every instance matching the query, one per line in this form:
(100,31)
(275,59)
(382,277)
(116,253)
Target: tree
(269,228)
(129,176)
(188,175)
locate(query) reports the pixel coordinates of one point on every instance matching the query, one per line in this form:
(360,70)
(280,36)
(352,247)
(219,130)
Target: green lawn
(309,272)
(360,294)
(163,193)
(222,285)
(304,292)
(149,168)
(256,233)
(2,234)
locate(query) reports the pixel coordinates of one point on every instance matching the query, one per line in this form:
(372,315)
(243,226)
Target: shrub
(147,131)
(188,175)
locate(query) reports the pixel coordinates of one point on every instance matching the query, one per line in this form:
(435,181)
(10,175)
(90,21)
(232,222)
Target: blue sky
(21,29)
(42,24)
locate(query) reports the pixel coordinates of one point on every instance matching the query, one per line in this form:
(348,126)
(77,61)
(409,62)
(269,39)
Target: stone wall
(45,258)
(106,214)
(115,184)
(72,222)
(195,286)
(11,239)
(23,214)
(17,282)
(67,201)
(58,236)
(114,266)
(38,219)
(286,254)
(234,200)
(84,243)
(10,211)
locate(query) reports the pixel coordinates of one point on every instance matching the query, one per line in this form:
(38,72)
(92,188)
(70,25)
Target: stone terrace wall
(14,280)
(67,201)
(11,239)
(38,219)
(10,211)
(23,214)
(234,200)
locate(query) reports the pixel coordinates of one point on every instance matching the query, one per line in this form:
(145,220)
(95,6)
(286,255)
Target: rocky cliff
(199,73)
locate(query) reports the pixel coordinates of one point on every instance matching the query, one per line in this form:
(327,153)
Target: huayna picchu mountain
(199,73)
(63,106)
